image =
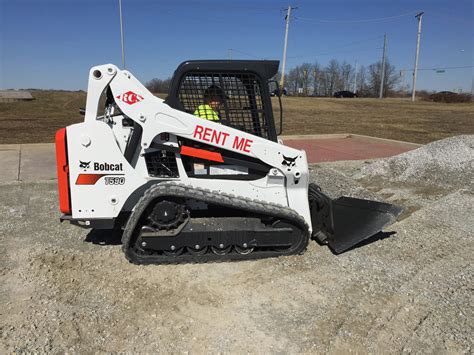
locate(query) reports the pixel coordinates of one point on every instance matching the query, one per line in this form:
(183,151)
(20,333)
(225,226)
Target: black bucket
(346,221)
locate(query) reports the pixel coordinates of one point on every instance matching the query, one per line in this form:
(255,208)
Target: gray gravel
(64,289)
(448,162)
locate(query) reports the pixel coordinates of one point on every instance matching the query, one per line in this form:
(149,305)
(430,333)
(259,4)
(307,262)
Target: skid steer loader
(186,189)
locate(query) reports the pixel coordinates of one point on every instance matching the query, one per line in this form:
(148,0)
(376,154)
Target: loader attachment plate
(345,222)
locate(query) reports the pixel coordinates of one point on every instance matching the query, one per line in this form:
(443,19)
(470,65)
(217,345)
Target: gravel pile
(448,162)
(335,184)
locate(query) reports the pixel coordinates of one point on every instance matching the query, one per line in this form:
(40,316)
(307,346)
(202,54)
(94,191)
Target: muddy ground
(65,289)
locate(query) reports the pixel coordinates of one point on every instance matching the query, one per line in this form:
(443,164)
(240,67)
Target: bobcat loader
(186,189)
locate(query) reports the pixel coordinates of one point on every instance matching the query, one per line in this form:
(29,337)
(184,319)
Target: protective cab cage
(246,103)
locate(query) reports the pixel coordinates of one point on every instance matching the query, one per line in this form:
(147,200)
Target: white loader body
(187,189)
(96,151)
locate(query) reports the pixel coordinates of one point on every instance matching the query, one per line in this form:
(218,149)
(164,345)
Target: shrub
(450,97)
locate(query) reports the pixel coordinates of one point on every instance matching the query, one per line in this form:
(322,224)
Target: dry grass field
(37,121)
(420,122)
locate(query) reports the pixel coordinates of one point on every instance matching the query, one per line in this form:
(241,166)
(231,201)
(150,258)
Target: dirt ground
(65,289)
(420,122)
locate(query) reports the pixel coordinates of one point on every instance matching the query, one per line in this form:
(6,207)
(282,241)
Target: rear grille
(161,164)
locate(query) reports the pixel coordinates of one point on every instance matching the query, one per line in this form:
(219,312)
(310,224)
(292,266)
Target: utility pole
(413,92)
(382,76)
(355,78)
(305,82)
(315,81)
(229,53)
(121,34)
(404,81)
(297,81)
(287,19)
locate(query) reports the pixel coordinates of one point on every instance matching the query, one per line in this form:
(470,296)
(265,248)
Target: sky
(51,44)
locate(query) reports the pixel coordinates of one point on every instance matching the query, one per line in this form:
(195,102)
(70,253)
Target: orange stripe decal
(88,179)
(201,153)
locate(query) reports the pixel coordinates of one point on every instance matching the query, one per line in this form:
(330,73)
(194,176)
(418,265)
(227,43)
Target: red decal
(242,144)
(130,97)
(248,143)
(198,131)
(207,134)
(219,137)
(88,179)
(210,135)
(224,137)
(201,153)
(238,143)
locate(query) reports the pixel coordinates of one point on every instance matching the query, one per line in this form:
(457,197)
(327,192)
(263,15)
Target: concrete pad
(386,141)
(314,136)
(10,147)
(38,162)
(9,163)
(347,147)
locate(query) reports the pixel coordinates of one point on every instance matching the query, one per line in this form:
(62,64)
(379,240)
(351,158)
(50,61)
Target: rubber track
(213,197)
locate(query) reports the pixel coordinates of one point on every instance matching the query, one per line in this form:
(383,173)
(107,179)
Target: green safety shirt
(206,112)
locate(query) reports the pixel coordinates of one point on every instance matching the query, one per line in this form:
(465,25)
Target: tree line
(158,86)
(309,79)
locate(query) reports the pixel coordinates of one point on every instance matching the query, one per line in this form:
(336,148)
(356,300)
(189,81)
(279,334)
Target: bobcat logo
(84,164)
(289,161)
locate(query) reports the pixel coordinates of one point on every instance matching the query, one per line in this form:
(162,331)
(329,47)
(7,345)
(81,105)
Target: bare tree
(292,81)
(316,78)
(390,80)
(333,77)
(158,85)
(346,72)
(305,74)
(338,76)
(325,79)
(362,87)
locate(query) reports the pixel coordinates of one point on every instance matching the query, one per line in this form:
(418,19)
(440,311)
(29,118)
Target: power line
(345,45)
(443,68)
(194,18)
(336,52)
(254,8)
(222,8)
(247,54)
(359,41)
(355,21)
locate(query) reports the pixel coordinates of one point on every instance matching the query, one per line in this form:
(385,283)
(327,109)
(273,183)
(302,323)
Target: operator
(213,99)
